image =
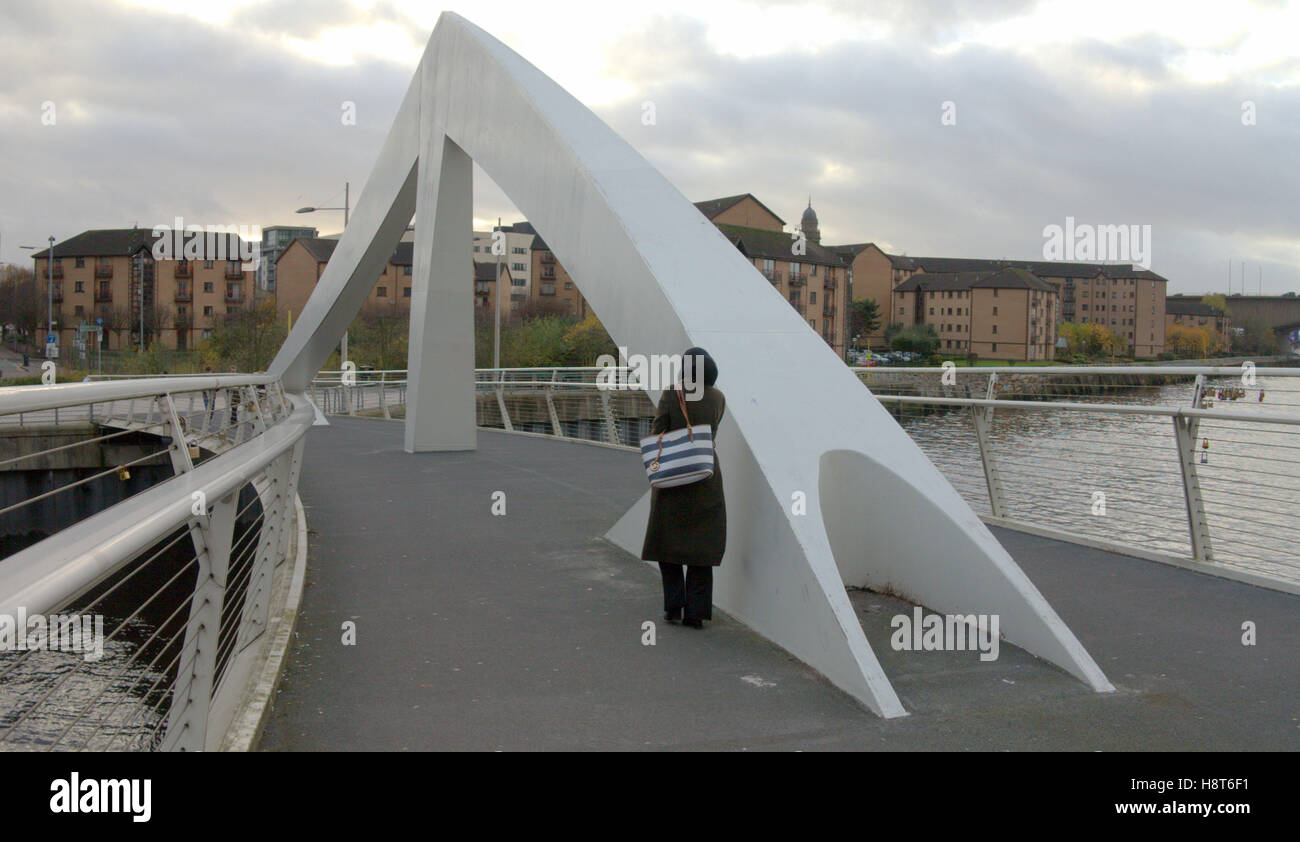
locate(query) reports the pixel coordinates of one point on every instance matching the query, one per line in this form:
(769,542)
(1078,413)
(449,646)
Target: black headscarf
(690,367)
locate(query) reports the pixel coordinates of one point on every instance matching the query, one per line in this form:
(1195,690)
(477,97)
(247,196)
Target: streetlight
(343,350)
(49,262)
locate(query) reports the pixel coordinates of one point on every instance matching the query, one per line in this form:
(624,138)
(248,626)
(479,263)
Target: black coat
(688,523)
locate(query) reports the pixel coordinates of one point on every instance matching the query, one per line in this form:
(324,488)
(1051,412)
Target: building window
(207,264)
(406,270)
(406,292)
(207,285)
(381,292)
(79,286)
(812,296)
(995,346)
(207,310)
(81,263)
(80,311)
(995,328)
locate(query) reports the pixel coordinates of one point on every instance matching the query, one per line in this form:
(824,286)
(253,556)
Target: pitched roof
(1040,268)
(1013,278)
(1178,305)
(318,247)
(759,242)
(850,251)
(712,207)
(1008,277)
(322,250)
(484,271)
(102,242)
(119,242)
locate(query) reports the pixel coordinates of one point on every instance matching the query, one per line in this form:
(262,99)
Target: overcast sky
(229,112)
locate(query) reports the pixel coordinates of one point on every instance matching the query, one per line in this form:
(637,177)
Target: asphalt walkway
(523,631)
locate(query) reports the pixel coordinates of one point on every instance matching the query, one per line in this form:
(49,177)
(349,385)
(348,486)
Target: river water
(1118,477)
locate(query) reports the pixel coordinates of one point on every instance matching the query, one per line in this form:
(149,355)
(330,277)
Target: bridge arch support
(661,278)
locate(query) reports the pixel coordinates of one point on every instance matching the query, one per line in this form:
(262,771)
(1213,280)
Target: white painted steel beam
(661,278)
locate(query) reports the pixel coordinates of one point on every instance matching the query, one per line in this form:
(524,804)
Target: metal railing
(1175,463)
(1193,465)
(165,506)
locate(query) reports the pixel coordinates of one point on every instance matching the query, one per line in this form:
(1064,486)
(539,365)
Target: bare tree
(119,319)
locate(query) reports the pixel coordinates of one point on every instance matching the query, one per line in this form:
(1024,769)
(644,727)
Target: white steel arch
(661,278)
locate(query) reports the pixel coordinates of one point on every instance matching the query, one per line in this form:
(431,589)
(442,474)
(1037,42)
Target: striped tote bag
(678,457)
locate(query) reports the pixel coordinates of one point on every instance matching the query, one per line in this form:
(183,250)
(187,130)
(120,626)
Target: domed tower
(809,224)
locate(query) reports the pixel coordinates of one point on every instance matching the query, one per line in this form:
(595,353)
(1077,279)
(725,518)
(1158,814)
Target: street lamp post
(49,285)
(496,286)
(343,347)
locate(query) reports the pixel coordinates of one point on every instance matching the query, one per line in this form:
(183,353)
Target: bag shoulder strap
(681,401)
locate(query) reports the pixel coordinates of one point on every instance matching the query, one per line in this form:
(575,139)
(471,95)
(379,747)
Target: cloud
(161,115)
(1104,132)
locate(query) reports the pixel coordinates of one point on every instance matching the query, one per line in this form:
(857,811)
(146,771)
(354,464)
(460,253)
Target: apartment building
(110,277)
(873,275)
(1128,300)
(485,290)
(1190,311)
(552,288)
(815,282)
(303,262)
(517,240)
(1007,314)
(275,240)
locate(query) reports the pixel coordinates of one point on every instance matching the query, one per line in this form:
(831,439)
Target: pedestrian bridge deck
(523,631)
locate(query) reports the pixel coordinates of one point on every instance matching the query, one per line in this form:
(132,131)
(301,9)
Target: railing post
(257,596)
(982,416)
(501,400)
(182,463)
(257,417)
(550,405)
(1185,434)
(611,425)
(291,492)
(235,403)
(187,721)
(383,394)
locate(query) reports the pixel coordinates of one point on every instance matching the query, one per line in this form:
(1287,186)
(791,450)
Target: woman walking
(687,532)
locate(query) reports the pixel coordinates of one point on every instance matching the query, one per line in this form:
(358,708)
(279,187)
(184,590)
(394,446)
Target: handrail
(59,395)
(1103,408)
(232,509)
(1045,370)
(47,574)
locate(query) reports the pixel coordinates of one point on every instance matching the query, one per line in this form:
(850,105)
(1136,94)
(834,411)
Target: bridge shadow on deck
(523,631)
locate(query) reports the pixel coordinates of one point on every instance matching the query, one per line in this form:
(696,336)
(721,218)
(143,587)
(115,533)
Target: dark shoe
(673,616)
(695,624)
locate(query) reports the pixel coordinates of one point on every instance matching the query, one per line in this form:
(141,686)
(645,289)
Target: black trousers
(688,595)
